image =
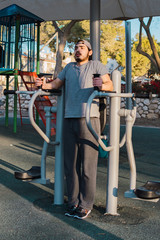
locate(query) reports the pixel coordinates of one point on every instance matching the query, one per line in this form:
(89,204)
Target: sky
(155,28)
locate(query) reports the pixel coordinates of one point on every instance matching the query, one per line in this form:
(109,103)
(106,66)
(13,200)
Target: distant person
(80,147)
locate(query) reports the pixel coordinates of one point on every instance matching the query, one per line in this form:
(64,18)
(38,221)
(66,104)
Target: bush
(152,86)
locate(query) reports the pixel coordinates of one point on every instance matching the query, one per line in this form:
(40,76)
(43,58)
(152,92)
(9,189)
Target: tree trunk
(59,55)
(62,35)
(156,59)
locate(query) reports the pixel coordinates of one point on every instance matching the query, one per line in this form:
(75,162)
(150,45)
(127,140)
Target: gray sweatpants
(80,161)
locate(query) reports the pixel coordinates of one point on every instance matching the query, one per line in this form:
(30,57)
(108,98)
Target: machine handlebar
(6,92)
(56,92)
(149,95)
(99,94)
(31,104)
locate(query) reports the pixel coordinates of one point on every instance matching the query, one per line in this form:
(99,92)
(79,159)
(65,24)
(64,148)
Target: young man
(80,147)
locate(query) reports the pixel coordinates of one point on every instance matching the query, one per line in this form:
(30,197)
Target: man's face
(81,52)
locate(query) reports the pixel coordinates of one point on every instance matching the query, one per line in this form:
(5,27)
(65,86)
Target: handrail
(98,94)
(30,110)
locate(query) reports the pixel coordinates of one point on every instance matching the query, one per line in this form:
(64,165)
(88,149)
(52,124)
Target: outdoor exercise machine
(38,174)
(114,144)
(114,140)
(151,189)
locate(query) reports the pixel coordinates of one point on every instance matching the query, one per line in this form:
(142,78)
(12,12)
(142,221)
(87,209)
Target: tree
(112,38)
(62,37)
(154,57)
(68,32)
(140,64)
(113,41)
(63,29)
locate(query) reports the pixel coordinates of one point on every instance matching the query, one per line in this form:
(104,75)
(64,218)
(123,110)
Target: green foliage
(140,63)
(79,31)
(113,41)
(47,30)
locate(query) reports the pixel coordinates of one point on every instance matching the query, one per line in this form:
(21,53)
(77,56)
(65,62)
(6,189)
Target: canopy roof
(80,9)
(13,10)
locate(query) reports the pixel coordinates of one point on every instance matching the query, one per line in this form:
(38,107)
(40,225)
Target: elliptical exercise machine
(38,174)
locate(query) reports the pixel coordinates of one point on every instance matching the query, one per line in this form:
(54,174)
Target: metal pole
(9,44)
(128,63)
(95,28)
(16,71)
(59,157)
(113,163)
(7,99)
(38,61)
(45,145)
(38,45)
(131,158)
(8,66)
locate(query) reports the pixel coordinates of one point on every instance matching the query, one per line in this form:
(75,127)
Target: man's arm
(107,84)
(103,82)
(55,84)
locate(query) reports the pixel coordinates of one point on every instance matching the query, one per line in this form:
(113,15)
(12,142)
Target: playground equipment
(41,101)
(114,145)
(18,29)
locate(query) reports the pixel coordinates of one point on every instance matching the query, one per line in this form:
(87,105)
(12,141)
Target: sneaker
(81,213)
(71,211)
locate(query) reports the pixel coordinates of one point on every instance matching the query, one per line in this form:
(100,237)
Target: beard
(81,59)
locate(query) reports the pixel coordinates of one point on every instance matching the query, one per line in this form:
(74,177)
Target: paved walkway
(27,210)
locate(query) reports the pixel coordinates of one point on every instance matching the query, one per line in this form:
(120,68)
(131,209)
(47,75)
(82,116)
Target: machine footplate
(150,190)
(34,172)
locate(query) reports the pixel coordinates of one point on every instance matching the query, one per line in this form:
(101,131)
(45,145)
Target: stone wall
(146,108)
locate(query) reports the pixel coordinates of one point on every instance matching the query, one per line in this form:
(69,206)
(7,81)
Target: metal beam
(128,62)
(95,28)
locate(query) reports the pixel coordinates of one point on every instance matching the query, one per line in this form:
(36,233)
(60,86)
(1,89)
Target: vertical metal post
(113,163)
(59,157)
(131,158)
(128,63)
(7,98)
(95,28)
(33,43)
(38,61)
(9,44)
(45,144)
(16,71)
(8,66)
(38,44)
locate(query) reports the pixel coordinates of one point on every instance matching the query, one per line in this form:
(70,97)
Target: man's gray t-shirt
(79,86)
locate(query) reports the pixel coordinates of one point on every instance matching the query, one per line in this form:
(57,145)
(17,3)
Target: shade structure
(80,9)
